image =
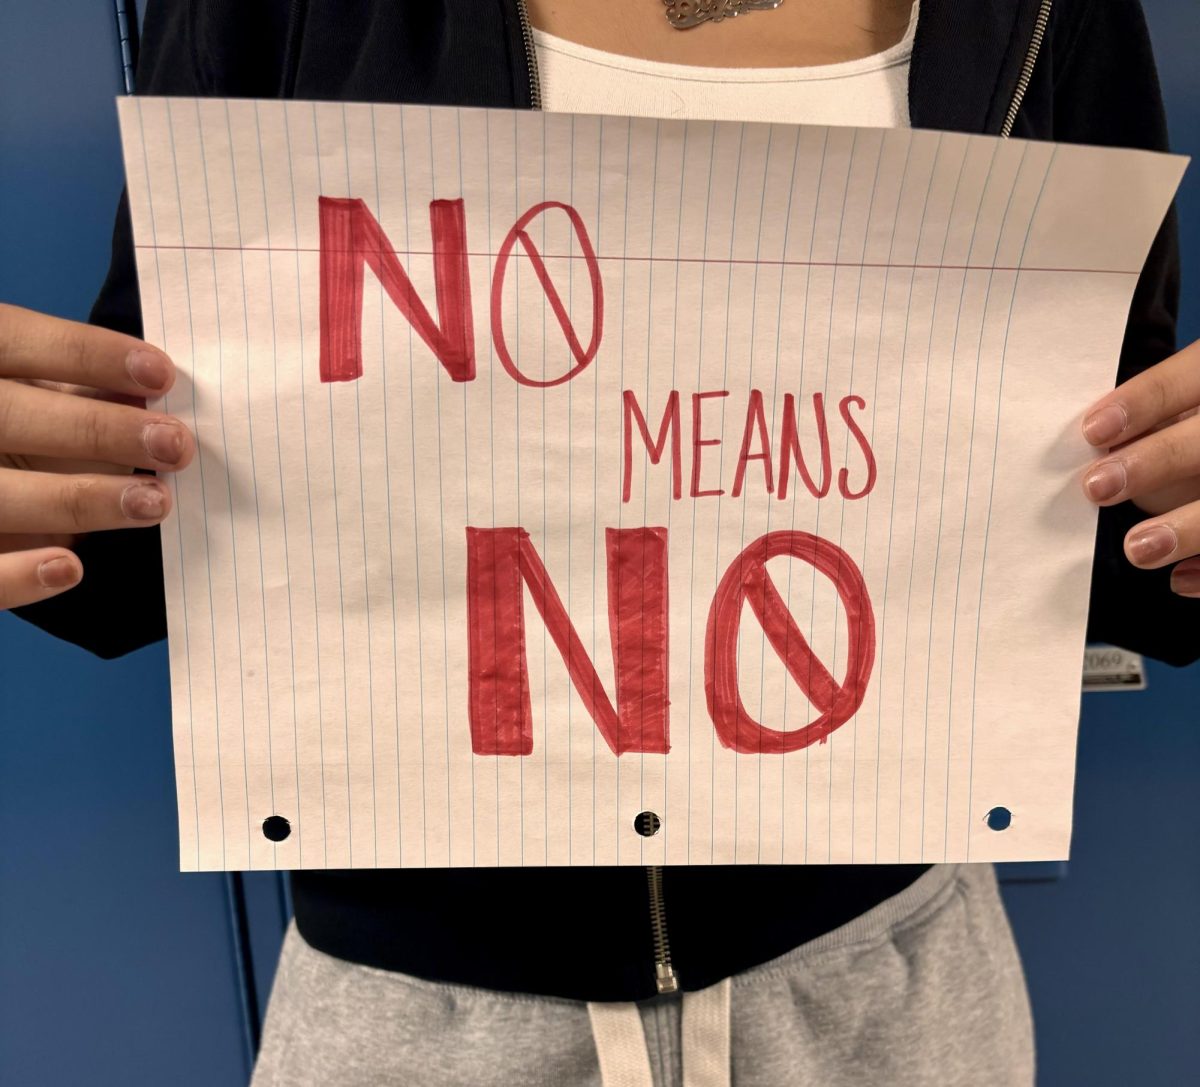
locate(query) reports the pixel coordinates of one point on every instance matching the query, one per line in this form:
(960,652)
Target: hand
(72,428)
(1152,424)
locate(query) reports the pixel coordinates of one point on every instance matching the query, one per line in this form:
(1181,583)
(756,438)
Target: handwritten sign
(607,491)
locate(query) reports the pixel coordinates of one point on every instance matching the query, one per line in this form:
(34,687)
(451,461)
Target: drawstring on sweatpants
(704,1042)
(706,1035)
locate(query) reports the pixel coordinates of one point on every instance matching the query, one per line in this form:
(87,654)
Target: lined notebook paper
(605,491)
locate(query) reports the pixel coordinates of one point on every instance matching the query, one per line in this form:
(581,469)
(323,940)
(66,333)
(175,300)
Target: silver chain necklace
(684,14)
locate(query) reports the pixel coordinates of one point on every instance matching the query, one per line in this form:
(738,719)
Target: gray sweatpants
(924,989)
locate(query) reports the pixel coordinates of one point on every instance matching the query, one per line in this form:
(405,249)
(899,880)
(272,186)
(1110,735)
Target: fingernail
(164,442)
(1105,425)
(143,501)
(58,573)
(148,368)
(1106,481)
(1186,581)
(1152,544)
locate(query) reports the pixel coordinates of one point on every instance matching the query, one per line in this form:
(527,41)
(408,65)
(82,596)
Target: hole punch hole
(998,819)
(276,828)
(647,823)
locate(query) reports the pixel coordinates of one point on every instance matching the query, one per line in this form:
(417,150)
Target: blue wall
(115,969)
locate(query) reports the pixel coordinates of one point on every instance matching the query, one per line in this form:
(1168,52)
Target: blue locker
(1112,951)
(115,970)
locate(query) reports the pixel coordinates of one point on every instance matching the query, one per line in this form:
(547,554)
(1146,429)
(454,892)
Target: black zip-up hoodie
(586,933)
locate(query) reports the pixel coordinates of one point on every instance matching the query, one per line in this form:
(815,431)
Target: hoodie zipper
(1031,56)
(665,979)
(535,85)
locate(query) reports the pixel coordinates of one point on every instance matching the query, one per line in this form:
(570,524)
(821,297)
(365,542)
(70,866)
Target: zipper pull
(665,978)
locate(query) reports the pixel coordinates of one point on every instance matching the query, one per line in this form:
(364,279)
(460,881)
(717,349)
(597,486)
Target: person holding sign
(772,975)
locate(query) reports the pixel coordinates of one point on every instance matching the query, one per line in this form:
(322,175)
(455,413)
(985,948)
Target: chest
(797,33)
(967,58)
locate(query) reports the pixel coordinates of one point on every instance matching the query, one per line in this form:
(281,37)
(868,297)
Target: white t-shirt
(872,91)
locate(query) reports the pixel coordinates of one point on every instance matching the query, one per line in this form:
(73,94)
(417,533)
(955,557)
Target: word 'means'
(757,446)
